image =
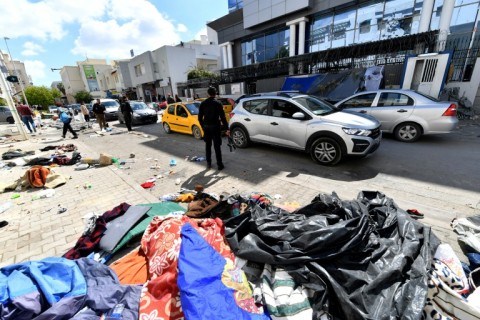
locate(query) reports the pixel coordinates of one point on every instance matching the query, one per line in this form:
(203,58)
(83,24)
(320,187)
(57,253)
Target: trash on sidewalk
(173,162)
(4,207)
(46,193)
(147,185)
(61,209)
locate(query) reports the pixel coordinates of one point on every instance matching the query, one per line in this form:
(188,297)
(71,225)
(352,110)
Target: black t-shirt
(211,113)
(98,108)
(126,108)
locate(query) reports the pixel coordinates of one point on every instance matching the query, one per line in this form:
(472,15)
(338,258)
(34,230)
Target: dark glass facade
(268,46)
(234,5)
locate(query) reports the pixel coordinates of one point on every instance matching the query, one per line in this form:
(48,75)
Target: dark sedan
(141,113)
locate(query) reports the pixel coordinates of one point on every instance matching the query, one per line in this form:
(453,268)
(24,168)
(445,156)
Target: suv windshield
(109,104)
(316,106)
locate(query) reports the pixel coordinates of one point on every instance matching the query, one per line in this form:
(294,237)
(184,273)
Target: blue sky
(53,33)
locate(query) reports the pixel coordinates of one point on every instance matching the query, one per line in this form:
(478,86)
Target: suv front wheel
(239,137)
(326,151)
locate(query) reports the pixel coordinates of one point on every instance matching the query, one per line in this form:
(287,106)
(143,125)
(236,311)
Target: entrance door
(425,73)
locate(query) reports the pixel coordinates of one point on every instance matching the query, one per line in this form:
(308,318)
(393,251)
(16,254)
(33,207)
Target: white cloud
(202,32)
(32,49)
(45,20)
(182,28)
(137,25)
(36,70)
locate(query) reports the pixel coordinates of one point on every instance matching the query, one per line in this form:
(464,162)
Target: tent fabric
(349,252)
(52,288)
(161,245)
(156,209)
(56,288)
(118,227)
(104,293)
(210,287)
(468,230)
(132,268)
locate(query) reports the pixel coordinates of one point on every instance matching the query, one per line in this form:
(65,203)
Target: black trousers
(128,120)
(67,126)
(213,134)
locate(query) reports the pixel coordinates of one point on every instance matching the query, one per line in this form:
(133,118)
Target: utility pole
(16,72)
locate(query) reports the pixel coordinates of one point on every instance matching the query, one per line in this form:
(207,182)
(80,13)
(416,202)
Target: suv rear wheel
(239,137)
(10,120)
(326,151)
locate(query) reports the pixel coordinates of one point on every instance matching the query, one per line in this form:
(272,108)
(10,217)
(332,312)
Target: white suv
(111,107)
(306,123)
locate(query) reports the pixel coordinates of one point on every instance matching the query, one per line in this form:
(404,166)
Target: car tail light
(451,111)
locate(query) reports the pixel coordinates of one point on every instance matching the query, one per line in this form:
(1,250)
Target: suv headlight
(357,132)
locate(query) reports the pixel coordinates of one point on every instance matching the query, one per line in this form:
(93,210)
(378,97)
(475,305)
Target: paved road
(438,176)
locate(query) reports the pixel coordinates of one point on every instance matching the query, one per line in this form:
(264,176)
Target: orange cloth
(37,176)
(132,268)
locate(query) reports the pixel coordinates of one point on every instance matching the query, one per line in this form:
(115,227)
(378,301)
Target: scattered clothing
(87,244)
(161,245)
(350,252)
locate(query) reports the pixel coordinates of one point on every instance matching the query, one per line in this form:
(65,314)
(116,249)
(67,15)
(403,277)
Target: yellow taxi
(183,118)
(227,103)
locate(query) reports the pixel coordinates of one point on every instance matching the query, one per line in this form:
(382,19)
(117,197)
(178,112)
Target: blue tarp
(202,292)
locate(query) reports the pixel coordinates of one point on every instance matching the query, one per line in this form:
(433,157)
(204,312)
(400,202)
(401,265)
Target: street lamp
(15,69)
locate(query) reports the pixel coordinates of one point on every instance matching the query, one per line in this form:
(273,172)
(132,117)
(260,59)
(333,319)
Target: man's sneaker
(76,137)
(209,165)
(63,137)
(221,166)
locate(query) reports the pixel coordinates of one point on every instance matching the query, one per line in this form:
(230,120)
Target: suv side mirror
(298,116)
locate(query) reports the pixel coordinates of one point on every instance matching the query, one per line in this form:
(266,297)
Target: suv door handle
(247,119)
(402,110)
(274,123)
(362,111)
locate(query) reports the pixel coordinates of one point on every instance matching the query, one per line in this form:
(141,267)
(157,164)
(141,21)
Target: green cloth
(156,209)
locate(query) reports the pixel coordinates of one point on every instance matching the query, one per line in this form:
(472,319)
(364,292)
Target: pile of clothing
(241,257)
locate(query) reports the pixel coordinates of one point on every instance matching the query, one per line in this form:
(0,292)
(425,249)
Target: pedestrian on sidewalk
(170,99)
(212,120)
(127,112)
(99,110)
(177,98)
(27,117)
(85,113)
(66,118)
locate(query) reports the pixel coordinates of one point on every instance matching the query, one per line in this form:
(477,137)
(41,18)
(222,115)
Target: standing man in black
(99,110)
(127,112)
(213,120)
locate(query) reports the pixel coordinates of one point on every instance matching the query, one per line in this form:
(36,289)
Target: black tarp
(365,258)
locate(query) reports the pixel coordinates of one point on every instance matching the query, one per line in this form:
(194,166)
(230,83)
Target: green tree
(200,73)
(41,96)
(3,102)
(56,93)
(83,96)
(61,88)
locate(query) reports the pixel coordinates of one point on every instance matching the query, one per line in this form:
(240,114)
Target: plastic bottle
(46,193)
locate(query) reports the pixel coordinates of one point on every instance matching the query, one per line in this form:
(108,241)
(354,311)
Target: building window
(268,46)
(370,21)
(139,70)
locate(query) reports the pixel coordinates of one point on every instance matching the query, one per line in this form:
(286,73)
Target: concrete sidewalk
(36,229)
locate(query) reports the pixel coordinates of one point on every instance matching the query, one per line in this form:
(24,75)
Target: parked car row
(329,133)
